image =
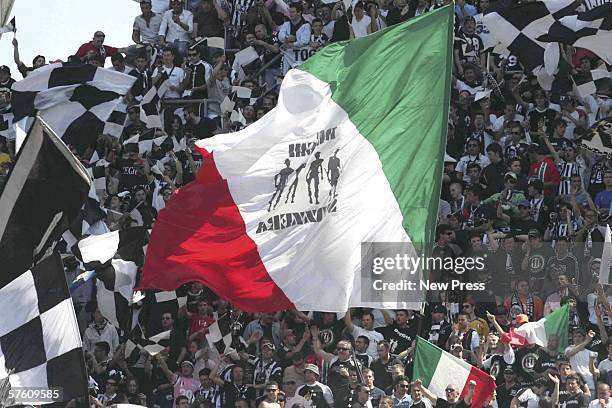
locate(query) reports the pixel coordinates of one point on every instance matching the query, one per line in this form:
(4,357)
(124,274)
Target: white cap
(449,159)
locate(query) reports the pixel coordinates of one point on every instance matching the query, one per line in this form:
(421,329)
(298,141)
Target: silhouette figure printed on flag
(280,182)
(293,186)
(315,172)
(333,172)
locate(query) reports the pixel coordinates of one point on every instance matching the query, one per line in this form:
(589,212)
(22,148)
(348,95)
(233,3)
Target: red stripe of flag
(200,236)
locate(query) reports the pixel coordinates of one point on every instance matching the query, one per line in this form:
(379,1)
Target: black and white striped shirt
(566,171)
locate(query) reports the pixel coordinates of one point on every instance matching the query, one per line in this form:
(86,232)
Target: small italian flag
(555,324)
(438,369)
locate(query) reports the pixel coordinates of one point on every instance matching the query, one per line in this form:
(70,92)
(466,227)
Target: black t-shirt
(442,403)
(399,339)
(567,266)
(538,119)
(198,79)
(382,373)
(130,174)
(330,335)
(231,392)
(469,46)
(498,365)
(522,227)
(505,395)
(317,399)
(526,359)
(546,361)
(575,401)
(538,258)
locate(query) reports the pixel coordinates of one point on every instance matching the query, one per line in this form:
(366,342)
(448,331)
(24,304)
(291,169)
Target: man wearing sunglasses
(271,396)
(452,393)
(401,396)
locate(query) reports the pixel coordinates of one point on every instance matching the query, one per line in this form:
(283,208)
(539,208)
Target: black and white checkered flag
(170,301)
(116,121)
(591,29)
(40,344)
(222,338)
(75,100)
(137,343)
(587,85)
(115,256)
(150,104)
(519,27)
(145,141)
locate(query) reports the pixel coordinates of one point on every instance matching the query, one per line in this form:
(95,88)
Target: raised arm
(581,346)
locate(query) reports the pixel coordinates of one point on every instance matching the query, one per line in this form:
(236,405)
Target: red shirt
(547,171)
(89,47)
(198,322)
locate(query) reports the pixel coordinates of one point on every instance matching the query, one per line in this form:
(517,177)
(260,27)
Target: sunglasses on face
(465,306)
(343,349)
(449,233)
(404,385)
(272,390)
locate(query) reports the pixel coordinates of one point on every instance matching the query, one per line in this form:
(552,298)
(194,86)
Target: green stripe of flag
(426,357)
(404,114)
(557,324)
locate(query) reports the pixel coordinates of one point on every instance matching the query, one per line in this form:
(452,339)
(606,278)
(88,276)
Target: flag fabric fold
(279,211)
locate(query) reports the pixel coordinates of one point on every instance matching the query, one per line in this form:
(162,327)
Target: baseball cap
(466,18)
(312,367)
(509,369)
(6,69)
(449,159)
(145,1)
(537,183)
(438,309)
(511,175)
(525,203)
(267,344)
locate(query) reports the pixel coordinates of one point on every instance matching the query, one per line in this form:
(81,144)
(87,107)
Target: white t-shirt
(580,364)
(499,123)
(482,160)
(569,130)
(360,28)
(374,337)
(176,75)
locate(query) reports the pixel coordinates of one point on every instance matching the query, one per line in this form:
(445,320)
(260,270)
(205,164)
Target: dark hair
(368,313)
(399,379)
(365,339)
(37,57)
(558,122)
(191,109)
(297,6)
(359,4)
(442,229)
(495,147)
(316,20)
(204,371)
(473,166)
(579,330)
(104,346)
(572,377)
(384,343)
(117,57)
(180,398)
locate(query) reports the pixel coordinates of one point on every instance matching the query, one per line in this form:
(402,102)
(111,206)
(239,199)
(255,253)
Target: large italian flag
(353,153)
(438,369)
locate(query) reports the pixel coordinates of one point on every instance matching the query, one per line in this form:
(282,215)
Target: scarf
(516,306)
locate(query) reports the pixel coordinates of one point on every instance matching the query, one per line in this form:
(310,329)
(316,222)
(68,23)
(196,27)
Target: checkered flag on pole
(151,102)
(40,344)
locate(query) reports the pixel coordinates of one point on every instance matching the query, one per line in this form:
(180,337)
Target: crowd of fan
(518,191)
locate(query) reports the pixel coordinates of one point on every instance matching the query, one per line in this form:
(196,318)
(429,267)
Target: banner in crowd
(554,324)
(279,211)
